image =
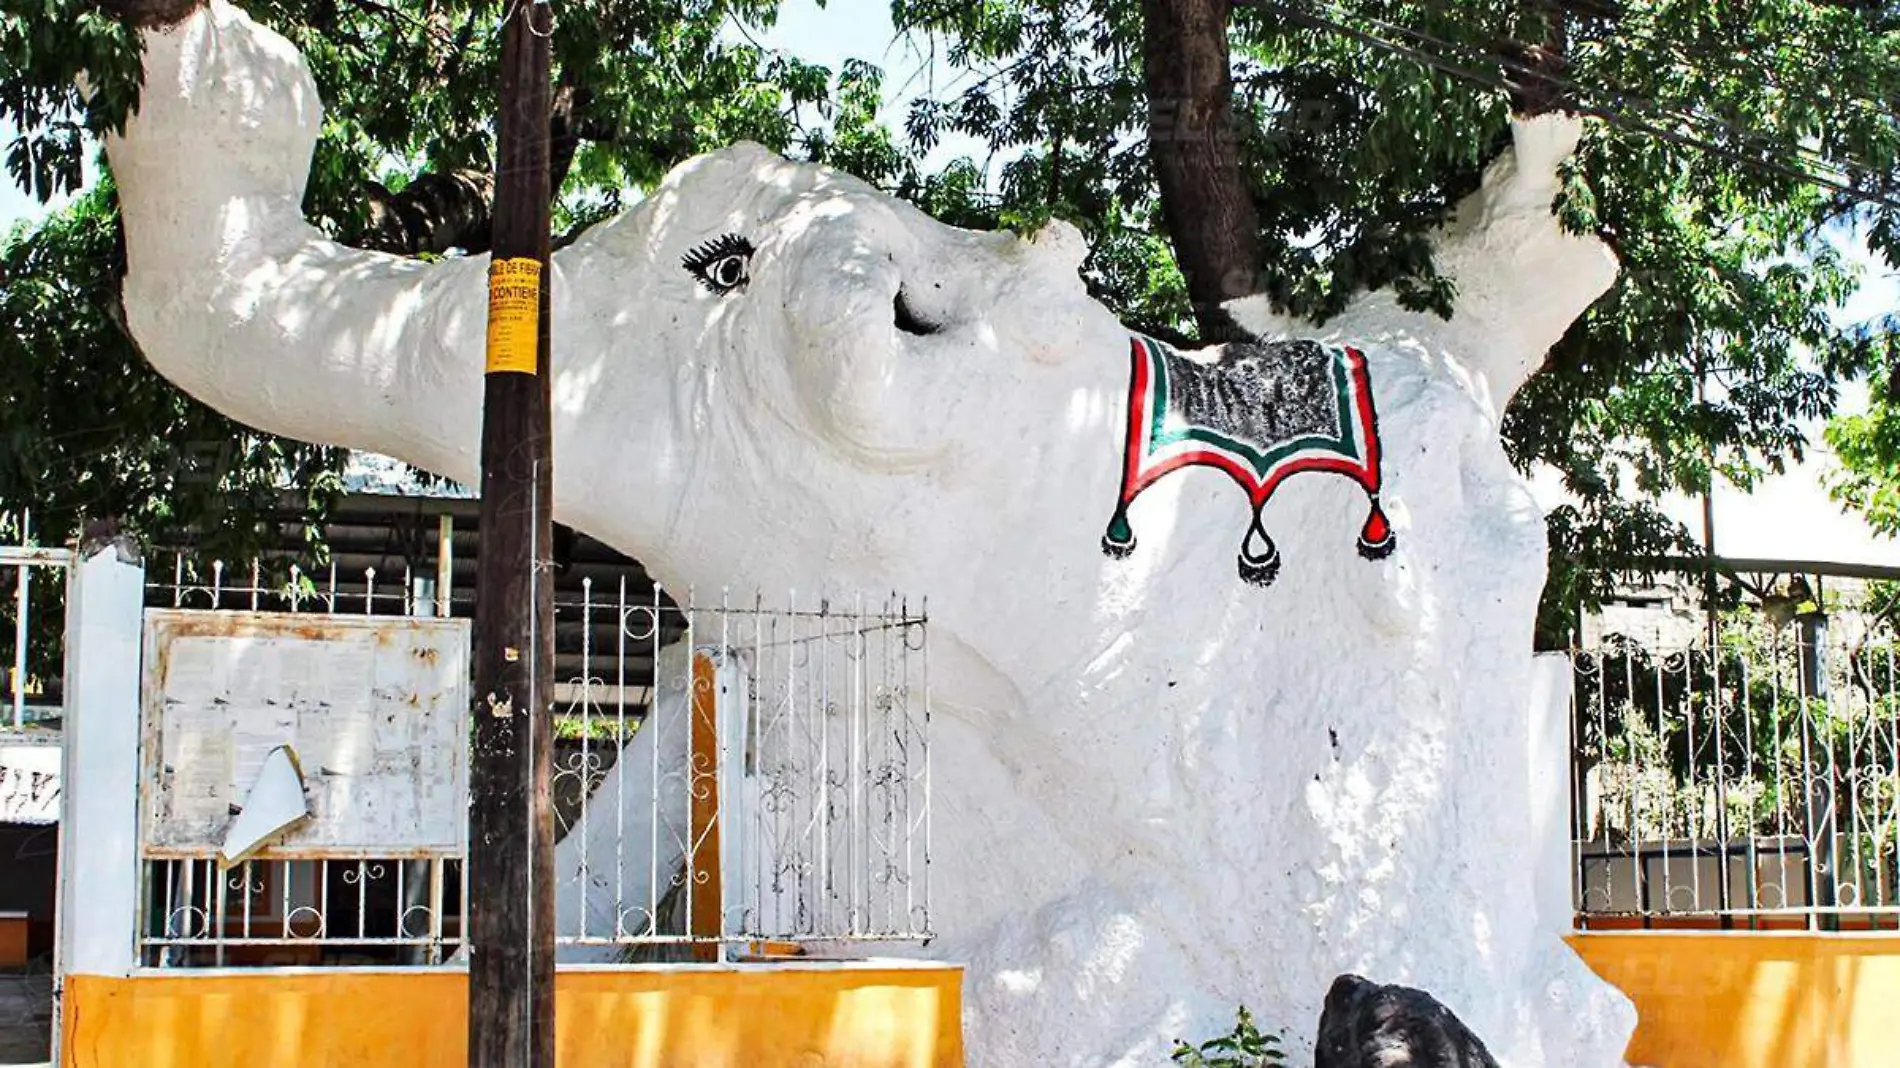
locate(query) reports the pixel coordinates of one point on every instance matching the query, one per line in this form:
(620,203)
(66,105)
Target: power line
(1801,47)
(1608,114)
(1625,96)
(1618,94)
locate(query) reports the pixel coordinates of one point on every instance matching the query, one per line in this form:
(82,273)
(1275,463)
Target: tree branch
(438,212)
(565,129)
(569,124)
(432,214)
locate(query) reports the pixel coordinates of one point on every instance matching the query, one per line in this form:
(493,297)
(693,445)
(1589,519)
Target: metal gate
(1749,781)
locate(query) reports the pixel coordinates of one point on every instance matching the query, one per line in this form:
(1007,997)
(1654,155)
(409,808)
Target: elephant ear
(861,338)
(880,407)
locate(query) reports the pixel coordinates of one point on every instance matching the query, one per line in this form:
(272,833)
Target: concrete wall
(28,869)
(870,1016)
(1755,1000)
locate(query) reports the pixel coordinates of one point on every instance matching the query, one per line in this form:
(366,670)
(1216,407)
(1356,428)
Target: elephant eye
(722,265)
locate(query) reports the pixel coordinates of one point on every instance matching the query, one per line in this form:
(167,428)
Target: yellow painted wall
(711,1017)
(1741,1000)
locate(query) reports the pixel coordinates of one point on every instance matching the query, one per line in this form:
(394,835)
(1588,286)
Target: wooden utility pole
(511,825)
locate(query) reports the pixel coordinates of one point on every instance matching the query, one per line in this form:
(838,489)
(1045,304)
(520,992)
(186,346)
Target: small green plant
(1243,1047)
(570,727)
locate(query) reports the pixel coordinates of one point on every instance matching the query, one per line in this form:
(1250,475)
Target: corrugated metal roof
(380,475)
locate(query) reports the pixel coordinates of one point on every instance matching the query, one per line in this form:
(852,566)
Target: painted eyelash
(701,258)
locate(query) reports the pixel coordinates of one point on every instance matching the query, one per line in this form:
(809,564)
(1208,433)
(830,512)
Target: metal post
(1817,757)
(444,565)
(703,821)
(22,605)
(414,877)
(511,825)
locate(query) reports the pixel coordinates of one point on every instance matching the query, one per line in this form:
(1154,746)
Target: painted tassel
(1119,540)
(1259,557)
(1376,538)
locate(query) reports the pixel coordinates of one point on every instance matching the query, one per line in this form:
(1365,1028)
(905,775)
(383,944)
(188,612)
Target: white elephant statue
(1164,784)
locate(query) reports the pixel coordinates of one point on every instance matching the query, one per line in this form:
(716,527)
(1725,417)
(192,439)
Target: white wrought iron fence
(32,676)
(177,581)
(301,911)
(725,775)
(1753,781)
(774,788)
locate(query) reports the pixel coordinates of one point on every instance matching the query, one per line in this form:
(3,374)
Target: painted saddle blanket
(1266,410)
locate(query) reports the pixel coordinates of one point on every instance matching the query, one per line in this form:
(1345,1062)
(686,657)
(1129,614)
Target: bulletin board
(374,708)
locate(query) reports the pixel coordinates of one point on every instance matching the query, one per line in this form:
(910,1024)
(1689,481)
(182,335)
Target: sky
(1787,516)
(826,34)
(861,29)
(1790,516)
(15,204)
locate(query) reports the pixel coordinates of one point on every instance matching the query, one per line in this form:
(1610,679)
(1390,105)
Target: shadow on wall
(1755,1000)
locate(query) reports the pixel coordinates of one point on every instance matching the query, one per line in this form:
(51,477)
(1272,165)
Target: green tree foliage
(1736,138)
(1867,444)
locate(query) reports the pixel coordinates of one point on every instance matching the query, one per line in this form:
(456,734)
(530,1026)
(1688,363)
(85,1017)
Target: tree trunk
(438,212)
(1194,143)
(144,14)
(1534,59)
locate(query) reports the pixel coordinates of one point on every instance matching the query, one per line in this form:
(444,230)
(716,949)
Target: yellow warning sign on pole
(514,314)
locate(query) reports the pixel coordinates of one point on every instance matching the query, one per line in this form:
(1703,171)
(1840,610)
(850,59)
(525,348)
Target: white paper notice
(370,705)
(192,676)
(253,669)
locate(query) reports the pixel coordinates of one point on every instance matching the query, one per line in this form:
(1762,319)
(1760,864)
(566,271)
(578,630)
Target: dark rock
(1366,1025)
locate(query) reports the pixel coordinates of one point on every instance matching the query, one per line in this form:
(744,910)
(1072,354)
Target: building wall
(28,869)
(862,1016)
(1730,1000)
(29,858)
